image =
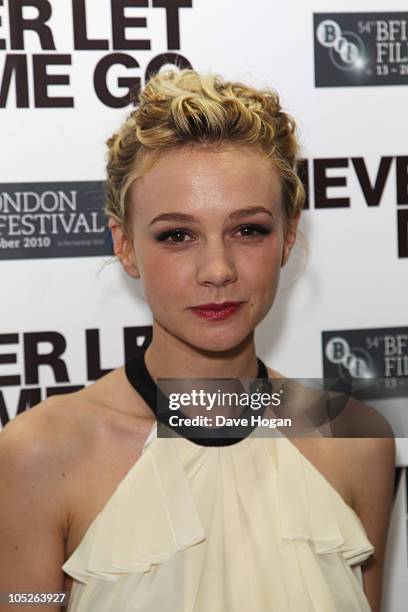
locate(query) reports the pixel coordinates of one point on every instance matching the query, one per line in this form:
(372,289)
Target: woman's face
(207,227)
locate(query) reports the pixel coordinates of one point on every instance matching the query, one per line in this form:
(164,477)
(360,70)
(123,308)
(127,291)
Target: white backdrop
(354,280)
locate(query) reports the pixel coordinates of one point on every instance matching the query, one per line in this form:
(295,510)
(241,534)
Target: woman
(204,205)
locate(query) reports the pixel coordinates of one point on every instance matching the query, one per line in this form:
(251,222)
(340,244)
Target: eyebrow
(236,214)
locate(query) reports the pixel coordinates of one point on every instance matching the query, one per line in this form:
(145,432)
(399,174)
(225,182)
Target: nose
(216,266)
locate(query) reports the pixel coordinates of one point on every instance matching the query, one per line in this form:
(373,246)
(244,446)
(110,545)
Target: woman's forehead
(204,177)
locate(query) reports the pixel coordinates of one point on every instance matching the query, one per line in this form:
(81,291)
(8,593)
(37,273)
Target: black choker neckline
(141,380)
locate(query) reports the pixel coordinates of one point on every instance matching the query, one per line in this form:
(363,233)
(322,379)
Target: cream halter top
(249,527)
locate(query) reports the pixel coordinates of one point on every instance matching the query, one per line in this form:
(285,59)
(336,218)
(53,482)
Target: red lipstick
(215,312)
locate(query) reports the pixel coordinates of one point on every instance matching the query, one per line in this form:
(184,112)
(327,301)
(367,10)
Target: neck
(170,357)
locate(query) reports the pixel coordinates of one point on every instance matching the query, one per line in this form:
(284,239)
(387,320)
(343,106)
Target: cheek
(263,265)
(262,280)
(169,276)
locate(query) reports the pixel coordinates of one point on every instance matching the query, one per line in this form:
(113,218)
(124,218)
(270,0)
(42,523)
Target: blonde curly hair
(185,108)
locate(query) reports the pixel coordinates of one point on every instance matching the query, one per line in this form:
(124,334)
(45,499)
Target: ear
(290,238)
(122,247)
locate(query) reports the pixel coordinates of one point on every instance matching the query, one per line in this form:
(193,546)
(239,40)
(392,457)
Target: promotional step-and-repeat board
(69,313)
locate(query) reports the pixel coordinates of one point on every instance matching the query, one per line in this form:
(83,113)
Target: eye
(253,230)
(178,234)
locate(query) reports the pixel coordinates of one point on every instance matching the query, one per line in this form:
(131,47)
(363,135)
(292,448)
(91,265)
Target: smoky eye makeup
(258,227)
(248,230)
(177,231)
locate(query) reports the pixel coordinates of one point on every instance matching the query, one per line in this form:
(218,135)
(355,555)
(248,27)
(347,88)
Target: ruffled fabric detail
(250,526)
(327,521)
(150,517)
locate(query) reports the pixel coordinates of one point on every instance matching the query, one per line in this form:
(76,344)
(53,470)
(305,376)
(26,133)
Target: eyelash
(162,237)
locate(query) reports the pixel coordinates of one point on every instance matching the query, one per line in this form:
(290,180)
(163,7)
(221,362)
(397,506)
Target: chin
(216,341)
(209,336)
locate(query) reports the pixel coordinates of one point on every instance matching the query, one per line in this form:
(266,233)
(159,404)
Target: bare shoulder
(54,423)
(338,413)
(91,406)
(61,427)
(358,419)
(373,463)
(42,427)
(39,445)
(64,430)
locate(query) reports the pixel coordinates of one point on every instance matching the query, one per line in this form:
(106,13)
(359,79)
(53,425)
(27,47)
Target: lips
(216,312)
(215,306)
